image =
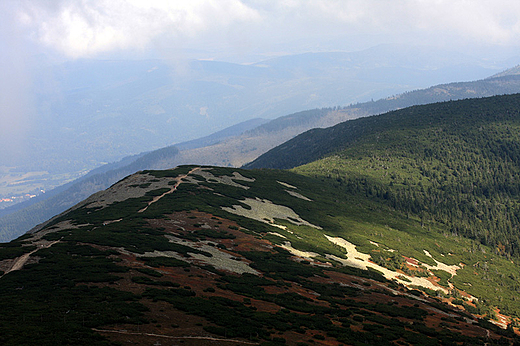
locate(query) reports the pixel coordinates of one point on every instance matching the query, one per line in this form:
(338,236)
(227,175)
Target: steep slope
(225,256)
(455,163)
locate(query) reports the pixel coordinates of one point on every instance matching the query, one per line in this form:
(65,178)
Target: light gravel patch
(286,185)
(277,234)
(360,260)
(441,266)
(224,261)
(157,253)
(220,259)
(304,254)
(224,179)
(300,196)
(266,211)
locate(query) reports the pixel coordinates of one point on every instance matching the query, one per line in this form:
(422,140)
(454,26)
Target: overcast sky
(235,28)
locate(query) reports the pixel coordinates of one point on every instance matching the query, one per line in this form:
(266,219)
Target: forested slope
(456,163)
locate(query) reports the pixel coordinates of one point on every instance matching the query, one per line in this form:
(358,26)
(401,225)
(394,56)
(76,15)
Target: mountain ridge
(176,254)
(337,140)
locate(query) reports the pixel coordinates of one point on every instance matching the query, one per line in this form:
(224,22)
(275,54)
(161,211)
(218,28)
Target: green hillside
(456,163)
(393,229)
(199,254)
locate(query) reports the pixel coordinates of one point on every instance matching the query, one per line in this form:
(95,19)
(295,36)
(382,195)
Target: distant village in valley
(11,200)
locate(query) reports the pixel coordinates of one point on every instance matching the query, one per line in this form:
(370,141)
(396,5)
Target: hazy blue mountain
(246,141)
(245,148)
(102,111)
(509,72)
(216,137)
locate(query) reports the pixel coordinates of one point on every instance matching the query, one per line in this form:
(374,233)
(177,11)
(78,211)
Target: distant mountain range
(239,145)
(105,110)
(240,150)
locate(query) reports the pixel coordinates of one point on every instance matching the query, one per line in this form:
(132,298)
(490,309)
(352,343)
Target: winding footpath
(174,337)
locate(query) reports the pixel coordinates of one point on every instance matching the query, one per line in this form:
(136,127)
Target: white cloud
(88,27)
(494,22)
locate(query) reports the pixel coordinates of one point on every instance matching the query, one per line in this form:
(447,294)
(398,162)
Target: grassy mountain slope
(454,163)
(205,254)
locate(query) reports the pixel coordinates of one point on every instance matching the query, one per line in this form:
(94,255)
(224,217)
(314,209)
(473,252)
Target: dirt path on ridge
(20,261)
(173,189)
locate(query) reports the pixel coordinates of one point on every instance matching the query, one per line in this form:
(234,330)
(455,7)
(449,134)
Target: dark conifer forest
(456,163)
